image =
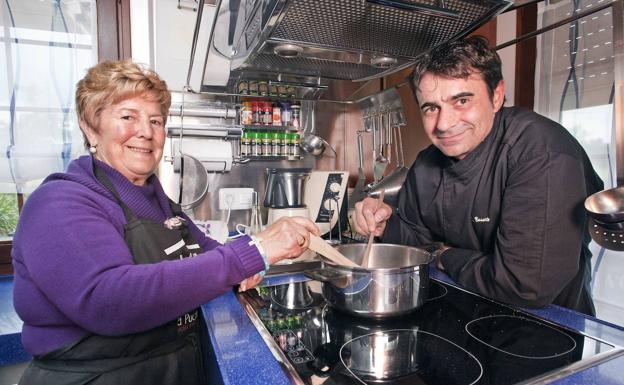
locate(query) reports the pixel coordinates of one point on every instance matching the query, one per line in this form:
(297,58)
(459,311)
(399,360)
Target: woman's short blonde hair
(110,82)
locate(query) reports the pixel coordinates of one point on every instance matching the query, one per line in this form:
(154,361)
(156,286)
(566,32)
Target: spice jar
(267,113)
(273,89)
(294,145)
(275,144)
(245,148)
(246,113)
(255,143)
(253,88)
(266,143)
(243,87)
(281,91)
(255,112)
(277,114)
(296,115)
(286,114)
(263,88)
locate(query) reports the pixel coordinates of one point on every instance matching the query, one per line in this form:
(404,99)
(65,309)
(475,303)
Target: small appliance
(284,194)
(325,199)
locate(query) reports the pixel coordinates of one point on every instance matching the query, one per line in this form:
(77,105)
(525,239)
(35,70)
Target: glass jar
(284,144)
(277,114)
(295,150)
(246,113)
(273,89)
(266,143)
(253,88)
(267,113)
(255,143)
(243,87)
(275,144)
(245,145)
(263,88)
(281,91)
(296,115)
(286,114)
(255,112)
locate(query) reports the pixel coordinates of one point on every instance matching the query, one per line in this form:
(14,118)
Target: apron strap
(105,180)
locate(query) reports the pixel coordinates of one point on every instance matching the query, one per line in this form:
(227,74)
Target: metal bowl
(606,206)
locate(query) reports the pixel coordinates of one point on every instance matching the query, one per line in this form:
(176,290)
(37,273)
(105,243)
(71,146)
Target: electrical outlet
(239,198)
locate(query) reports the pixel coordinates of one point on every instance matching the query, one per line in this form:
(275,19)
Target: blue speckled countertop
(240,356)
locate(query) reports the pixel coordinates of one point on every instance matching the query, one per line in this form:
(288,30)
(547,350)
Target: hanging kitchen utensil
(606,206)
(311,143)
(608,235)
(392,183)
(193,182)
(381,161)
(359,191)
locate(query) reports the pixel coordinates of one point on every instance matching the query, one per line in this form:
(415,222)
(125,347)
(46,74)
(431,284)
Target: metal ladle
(311,143)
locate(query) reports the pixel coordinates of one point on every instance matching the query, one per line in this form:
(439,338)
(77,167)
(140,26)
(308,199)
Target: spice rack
(271,121)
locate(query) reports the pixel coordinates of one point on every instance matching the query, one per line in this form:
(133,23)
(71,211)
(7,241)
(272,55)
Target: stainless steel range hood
(305,41)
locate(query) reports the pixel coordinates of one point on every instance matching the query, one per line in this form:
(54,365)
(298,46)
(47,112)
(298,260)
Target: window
(45,48)
(576,68)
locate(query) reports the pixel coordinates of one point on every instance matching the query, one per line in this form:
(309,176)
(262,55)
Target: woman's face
(130,137)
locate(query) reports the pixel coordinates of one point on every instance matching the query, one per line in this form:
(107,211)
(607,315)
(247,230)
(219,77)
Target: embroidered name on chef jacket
(480,220)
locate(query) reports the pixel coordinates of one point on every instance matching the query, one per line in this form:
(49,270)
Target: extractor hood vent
(333,39)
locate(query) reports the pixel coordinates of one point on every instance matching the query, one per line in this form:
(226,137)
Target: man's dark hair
(460,59)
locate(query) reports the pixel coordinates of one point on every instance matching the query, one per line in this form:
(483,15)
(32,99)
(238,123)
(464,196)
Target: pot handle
(329,276)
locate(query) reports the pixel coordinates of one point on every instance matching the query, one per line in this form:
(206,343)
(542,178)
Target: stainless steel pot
(396,283)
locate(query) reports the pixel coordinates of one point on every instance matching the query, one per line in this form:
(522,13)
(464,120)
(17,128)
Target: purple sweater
(74,273)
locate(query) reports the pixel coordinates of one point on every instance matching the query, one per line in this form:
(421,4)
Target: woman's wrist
(257,242)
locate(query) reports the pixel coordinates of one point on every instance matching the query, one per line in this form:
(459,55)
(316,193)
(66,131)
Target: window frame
(113,37)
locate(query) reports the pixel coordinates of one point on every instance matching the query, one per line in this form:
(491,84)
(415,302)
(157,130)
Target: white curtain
(45,48)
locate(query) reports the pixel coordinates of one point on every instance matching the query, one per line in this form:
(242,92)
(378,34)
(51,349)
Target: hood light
(383,61)
(287,50)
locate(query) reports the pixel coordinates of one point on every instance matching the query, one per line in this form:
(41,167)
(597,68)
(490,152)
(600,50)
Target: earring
(92,150)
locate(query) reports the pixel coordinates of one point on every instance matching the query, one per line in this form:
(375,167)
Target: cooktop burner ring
(568,338)
(433,284)
(356,377)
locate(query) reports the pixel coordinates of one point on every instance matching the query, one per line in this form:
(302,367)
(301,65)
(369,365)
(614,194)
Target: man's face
(457,113)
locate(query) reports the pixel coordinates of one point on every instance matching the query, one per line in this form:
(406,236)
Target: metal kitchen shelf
(245,159)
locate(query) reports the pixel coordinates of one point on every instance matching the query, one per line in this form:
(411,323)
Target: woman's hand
(370,217)
(288,237)
(249,283)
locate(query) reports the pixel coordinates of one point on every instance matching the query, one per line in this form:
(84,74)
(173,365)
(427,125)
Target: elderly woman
(109,273)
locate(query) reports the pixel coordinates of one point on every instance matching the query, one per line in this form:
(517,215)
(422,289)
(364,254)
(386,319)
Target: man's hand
(370,217)
(439,252)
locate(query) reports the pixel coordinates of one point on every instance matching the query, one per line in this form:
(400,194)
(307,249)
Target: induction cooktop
(456,337)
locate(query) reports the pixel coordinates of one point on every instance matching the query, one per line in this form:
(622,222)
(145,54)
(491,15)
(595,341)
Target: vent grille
(358,25)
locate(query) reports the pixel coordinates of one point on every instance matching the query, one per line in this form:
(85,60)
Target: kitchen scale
(456,337)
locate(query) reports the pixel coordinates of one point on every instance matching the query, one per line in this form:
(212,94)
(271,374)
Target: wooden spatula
(318,245)
(369,246)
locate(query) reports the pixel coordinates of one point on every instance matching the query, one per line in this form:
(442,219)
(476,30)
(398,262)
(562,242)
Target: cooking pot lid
(607,235)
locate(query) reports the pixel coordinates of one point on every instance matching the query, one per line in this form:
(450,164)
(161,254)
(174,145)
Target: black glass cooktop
(454,338)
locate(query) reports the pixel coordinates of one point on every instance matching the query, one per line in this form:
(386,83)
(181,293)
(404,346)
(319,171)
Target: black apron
(169,354)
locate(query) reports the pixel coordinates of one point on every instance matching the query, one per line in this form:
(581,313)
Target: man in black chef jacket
(502,188)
